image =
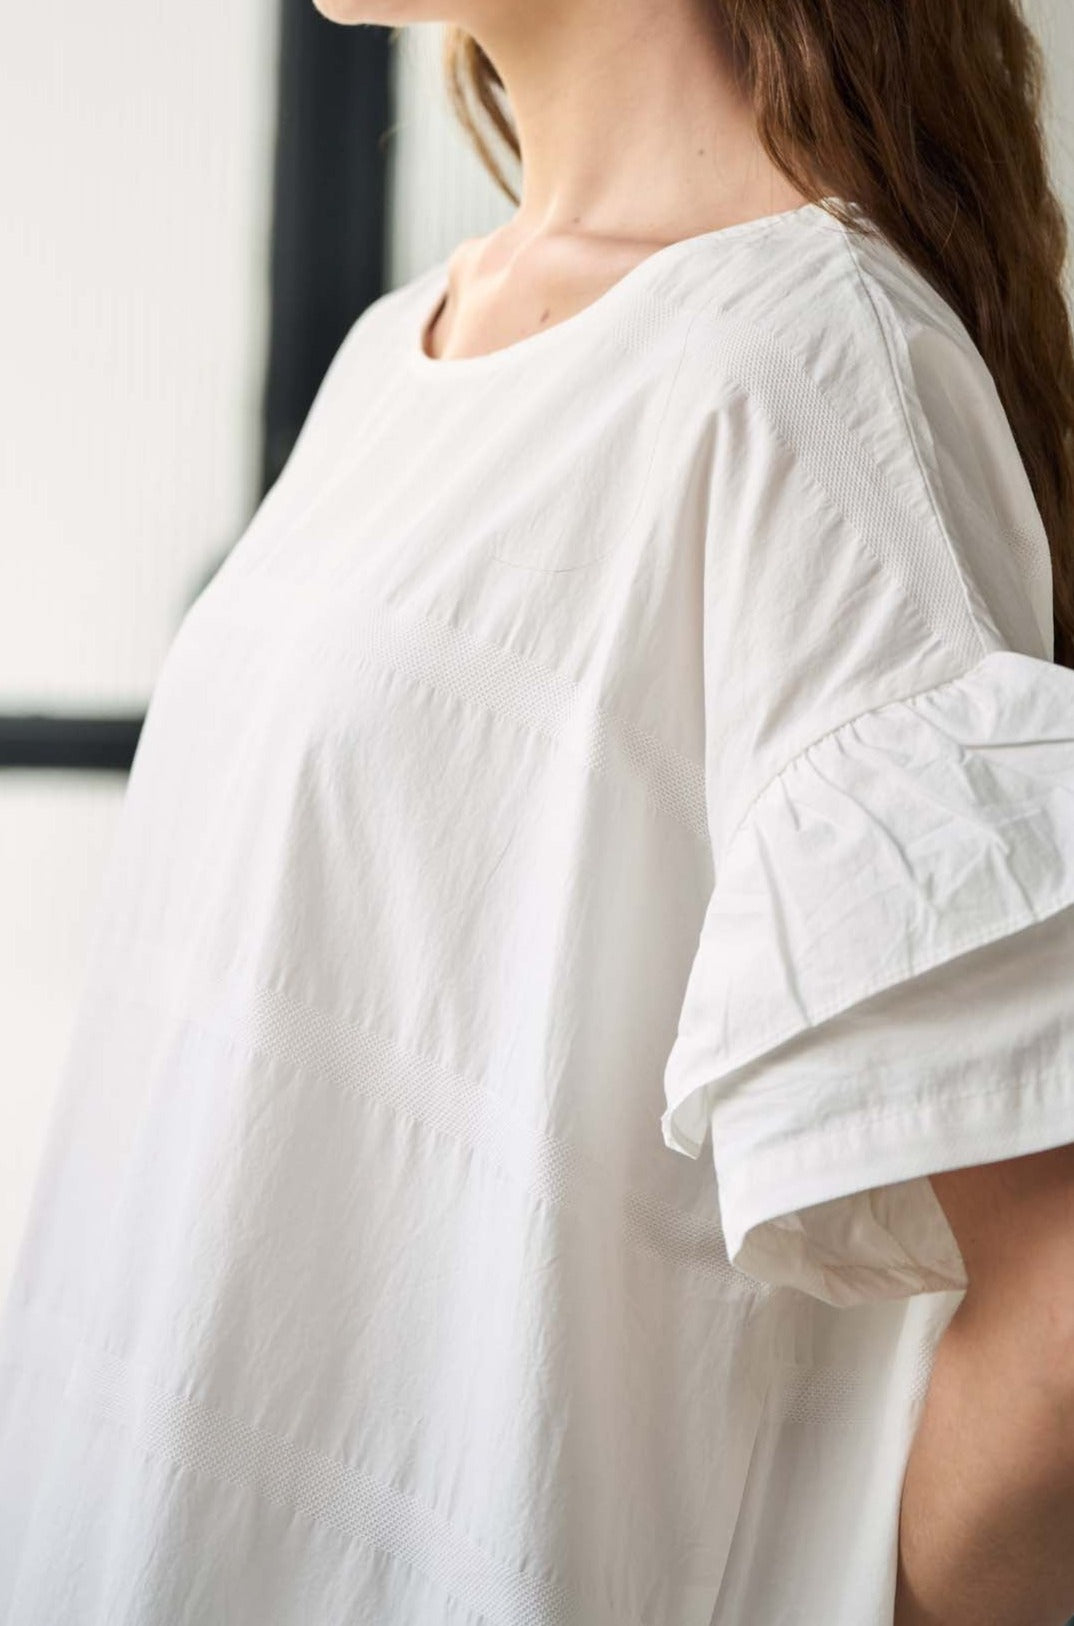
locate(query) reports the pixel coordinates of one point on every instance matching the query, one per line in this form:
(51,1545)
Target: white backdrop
(135,164)
(135,171)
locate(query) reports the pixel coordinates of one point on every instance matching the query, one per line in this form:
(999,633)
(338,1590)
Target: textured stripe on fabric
(520,691)
(358,1059)
(828,1397)
(325,1489)
(524,692)
(807,421)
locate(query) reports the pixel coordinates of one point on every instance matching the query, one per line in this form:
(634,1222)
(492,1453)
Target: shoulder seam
(902,540)
(871,289)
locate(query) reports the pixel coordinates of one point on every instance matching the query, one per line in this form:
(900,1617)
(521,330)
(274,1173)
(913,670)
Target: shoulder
(826,291)
(824,360)
(869,529)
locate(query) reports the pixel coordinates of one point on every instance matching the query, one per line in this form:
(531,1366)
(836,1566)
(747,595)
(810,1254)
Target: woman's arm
(986,1532)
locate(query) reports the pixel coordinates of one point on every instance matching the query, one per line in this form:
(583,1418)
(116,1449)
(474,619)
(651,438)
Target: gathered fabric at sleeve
(883,987)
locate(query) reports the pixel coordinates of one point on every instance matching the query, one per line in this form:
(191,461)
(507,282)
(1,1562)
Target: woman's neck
(630,121)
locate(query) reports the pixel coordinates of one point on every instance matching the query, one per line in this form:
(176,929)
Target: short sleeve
(882,987)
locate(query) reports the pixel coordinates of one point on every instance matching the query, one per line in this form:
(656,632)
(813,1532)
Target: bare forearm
(987,1518)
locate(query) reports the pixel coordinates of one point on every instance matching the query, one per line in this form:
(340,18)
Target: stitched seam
(869,284)
(895,566)
(779,1159)
(848,722)
(796,374)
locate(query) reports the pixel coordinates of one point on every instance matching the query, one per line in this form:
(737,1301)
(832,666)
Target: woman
(643,703)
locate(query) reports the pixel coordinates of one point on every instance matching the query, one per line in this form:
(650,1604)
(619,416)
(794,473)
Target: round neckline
(591,314)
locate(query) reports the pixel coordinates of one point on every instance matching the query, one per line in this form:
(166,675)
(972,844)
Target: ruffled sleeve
(883,985)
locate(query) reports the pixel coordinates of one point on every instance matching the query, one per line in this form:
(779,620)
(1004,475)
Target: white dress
(636,743)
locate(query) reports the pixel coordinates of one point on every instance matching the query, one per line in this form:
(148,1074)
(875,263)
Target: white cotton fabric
(638,739)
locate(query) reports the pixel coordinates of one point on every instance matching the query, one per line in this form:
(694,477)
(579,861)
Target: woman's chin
(389,13)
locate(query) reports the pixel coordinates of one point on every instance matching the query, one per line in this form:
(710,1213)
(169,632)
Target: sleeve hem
(689,1106)
(842,1161)
(924,830)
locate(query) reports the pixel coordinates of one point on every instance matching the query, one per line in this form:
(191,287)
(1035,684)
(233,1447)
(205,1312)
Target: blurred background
(199,201)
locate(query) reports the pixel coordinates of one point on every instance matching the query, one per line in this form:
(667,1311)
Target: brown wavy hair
(928,114)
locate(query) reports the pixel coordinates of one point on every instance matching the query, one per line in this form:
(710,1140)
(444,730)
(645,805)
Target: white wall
(134,144)
(439,191)
(135,173)
(1052,19)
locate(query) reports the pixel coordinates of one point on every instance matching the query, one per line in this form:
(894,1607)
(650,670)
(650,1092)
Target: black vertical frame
(328,261)
(330,200)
